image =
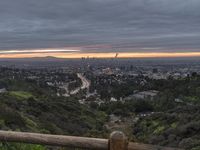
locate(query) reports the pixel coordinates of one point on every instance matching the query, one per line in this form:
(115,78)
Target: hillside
(29,101)
(28,107)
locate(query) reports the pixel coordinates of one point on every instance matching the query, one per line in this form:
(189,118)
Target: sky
(69,28)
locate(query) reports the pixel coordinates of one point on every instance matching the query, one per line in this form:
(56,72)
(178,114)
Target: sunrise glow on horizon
(66,53)
(37,51)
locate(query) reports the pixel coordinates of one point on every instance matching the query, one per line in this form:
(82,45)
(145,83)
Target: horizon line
(79,54)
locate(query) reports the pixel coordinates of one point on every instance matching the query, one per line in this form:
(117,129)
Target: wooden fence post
(118,141)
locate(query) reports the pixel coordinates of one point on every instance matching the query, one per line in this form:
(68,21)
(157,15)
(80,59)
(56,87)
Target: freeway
(85,84)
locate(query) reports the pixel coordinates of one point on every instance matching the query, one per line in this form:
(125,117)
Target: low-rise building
(143,95)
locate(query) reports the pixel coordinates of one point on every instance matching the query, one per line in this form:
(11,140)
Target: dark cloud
(101,25)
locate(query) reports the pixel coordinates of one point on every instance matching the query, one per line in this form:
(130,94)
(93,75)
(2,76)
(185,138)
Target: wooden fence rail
(117,141)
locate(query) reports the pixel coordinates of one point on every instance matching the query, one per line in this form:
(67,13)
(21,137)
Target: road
(85,84)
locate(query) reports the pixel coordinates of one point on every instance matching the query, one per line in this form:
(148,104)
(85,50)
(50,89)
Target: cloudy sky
(101,25)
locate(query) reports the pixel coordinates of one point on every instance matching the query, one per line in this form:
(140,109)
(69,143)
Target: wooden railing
(117,141)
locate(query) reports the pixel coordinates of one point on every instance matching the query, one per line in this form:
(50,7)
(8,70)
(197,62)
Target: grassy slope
(28,107)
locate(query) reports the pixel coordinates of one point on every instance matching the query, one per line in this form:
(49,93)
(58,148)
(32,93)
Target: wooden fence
(117,141)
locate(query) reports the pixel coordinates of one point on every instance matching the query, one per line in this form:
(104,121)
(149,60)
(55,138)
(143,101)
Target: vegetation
(178,127)
(19,146)
(30,109)
(20,94)
(170,119)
